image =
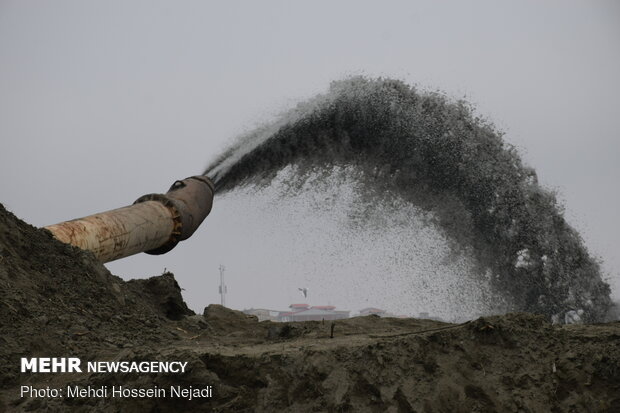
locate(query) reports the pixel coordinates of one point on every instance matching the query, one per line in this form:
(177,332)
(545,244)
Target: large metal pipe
(154,224)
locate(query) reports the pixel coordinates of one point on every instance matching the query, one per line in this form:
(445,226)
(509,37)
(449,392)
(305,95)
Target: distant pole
(223,289)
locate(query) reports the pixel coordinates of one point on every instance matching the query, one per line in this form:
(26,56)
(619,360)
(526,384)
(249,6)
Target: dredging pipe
(154,224)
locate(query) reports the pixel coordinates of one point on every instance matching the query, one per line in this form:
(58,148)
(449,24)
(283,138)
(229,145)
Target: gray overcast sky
(103,101)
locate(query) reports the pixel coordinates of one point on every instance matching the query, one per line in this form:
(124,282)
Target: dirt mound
(57,301)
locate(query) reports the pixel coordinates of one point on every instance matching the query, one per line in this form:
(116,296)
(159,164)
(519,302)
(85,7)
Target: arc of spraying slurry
(415,144)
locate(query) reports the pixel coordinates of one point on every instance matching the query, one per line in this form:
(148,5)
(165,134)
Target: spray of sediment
(421,152)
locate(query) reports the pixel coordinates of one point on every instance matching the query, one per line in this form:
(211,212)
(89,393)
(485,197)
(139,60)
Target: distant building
(263,314)
(303,312)
(299,312)
(324,307)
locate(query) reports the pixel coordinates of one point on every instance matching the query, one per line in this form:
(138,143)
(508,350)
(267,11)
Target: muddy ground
(57,301)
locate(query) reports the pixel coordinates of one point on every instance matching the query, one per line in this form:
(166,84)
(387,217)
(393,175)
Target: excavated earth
(58,301)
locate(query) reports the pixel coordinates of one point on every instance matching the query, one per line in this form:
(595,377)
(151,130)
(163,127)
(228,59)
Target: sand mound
(58,301)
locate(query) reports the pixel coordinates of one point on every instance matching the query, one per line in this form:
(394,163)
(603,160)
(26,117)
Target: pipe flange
(175,235)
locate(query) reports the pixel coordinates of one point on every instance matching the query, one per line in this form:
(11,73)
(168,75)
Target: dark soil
(57,301)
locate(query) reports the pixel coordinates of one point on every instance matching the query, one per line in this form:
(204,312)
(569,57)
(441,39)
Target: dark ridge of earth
(57,301)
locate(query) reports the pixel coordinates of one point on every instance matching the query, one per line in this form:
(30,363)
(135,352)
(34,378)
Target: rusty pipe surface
(154,224)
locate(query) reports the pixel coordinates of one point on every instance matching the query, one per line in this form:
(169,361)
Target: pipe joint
(189,201)
(155,223)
